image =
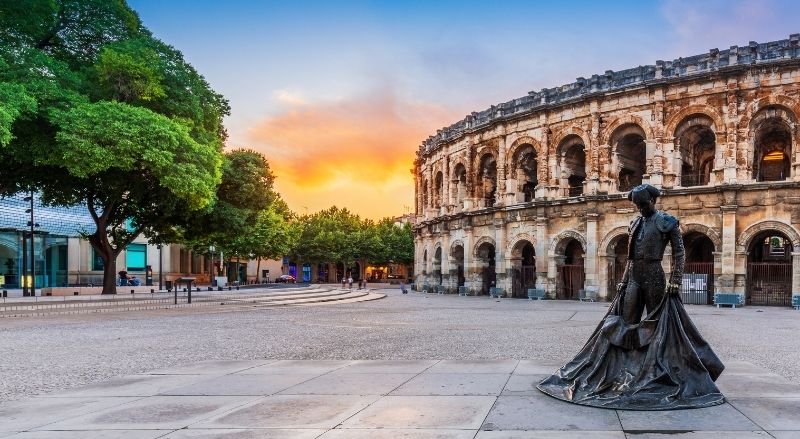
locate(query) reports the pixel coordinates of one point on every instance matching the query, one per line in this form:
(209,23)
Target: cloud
(354,153)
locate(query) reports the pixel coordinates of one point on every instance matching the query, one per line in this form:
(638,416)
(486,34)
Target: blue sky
(339,95)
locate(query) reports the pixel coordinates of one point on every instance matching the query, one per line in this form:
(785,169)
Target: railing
(688,180)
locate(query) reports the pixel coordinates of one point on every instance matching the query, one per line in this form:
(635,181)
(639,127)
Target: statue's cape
(661,363)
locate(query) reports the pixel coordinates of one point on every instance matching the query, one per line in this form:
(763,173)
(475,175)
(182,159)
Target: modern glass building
(54,227)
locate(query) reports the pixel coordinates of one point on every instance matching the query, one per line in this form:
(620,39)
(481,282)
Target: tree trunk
(258,270)
(110,276)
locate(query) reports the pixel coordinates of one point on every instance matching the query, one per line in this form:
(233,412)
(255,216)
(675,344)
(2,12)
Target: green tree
(96,111)
(271,237)
(244,192)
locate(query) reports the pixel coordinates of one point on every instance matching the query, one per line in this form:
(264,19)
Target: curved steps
(241,301)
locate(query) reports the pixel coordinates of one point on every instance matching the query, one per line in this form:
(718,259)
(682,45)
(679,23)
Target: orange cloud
(355,154)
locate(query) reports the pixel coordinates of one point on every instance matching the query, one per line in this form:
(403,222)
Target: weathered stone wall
(718,132)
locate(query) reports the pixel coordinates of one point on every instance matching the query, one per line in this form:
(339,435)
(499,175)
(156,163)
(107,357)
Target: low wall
(70,291)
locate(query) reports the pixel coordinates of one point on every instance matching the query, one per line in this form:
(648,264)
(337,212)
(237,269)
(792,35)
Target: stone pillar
(603,281)
(653,175)
(728,257)
(590,261)
(446,280)
(500,188)
(500,265)
(469,260)
(540,248)
(552,275)
(446,204)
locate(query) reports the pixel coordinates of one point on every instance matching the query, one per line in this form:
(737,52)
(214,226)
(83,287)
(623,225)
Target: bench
(796,302)
(496,292)
(587,294)
(439,289)
(728,299)
(535,294)
(463,291)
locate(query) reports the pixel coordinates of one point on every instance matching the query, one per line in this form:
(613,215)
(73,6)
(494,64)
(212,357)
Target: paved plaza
(406,366)
(377,399)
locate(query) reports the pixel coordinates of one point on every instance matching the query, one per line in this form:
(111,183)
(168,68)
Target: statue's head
(644,197)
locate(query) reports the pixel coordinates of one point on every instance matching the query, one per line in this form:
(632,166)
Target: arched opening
(525,171)
(458,261)
(459,186)
(322,273)
(487,176)
(438,190)
(572,157)
(340,273)
(486,264)
(772,146)
(769,270)
(618,258)
(697,144)
(571,273)
(437,266)
(629,145)
(697,285)
(523,265)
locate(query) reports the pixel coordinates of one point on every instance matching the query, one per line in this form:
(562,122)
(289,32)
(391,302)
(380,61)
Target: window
(97,262)
(137,257)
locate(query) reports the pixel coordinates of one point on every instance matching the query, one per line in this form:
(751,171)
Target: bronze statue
(659,362)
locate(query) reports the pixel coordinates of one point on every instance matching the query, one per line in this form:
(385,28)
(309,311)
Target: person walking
(350,282)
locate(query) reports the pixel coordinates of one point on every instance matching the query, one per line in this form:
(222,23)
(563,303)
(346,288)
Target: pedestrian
(350,282)
(344,282)
(403,287)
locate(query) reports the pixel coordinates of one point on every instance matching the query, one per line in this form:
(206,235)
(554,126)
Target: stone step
(300,297)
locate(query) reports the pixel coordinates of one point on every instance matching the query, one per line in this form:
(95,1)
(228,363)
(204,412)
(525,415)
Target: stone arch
(772,137)
(753,230)
(571,154)
(521,141)
(747,235)
(573,130)
(512,249)
(487,176)
(454,244)
(754,107)
(704,230)
(558,243)
(628,119)
(482,240)
(629,153)
(706,110)
(605,244)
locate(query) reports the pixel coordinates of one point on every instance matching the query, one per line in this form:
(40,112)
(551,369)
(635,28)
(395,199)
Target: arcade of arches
(536,198)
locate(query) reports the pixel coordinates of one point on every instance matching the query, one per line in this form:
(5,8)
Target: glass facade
(50,260)
(53,227)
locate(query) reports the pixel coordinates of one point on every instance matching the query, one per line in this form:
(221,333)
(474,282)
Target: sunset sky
(339,95)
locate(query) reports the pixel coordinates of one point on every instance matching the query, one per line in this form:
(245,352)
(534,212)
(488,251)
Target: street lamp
(212,249)
(32,224)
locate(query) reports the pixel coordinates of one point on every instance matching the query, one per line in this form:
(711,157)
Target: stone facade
(532,192)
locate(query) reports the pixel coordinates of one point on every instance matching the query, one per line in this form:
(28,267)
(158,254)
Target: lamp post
(212,249)
(32,226)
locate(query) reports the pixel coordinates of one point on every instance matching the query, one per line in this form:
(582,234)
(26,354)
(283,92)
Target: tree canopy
(94,110)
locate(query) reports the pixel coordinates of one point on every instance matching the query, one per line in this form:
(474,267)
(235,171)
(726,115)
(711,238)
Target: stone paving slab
(343,399)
